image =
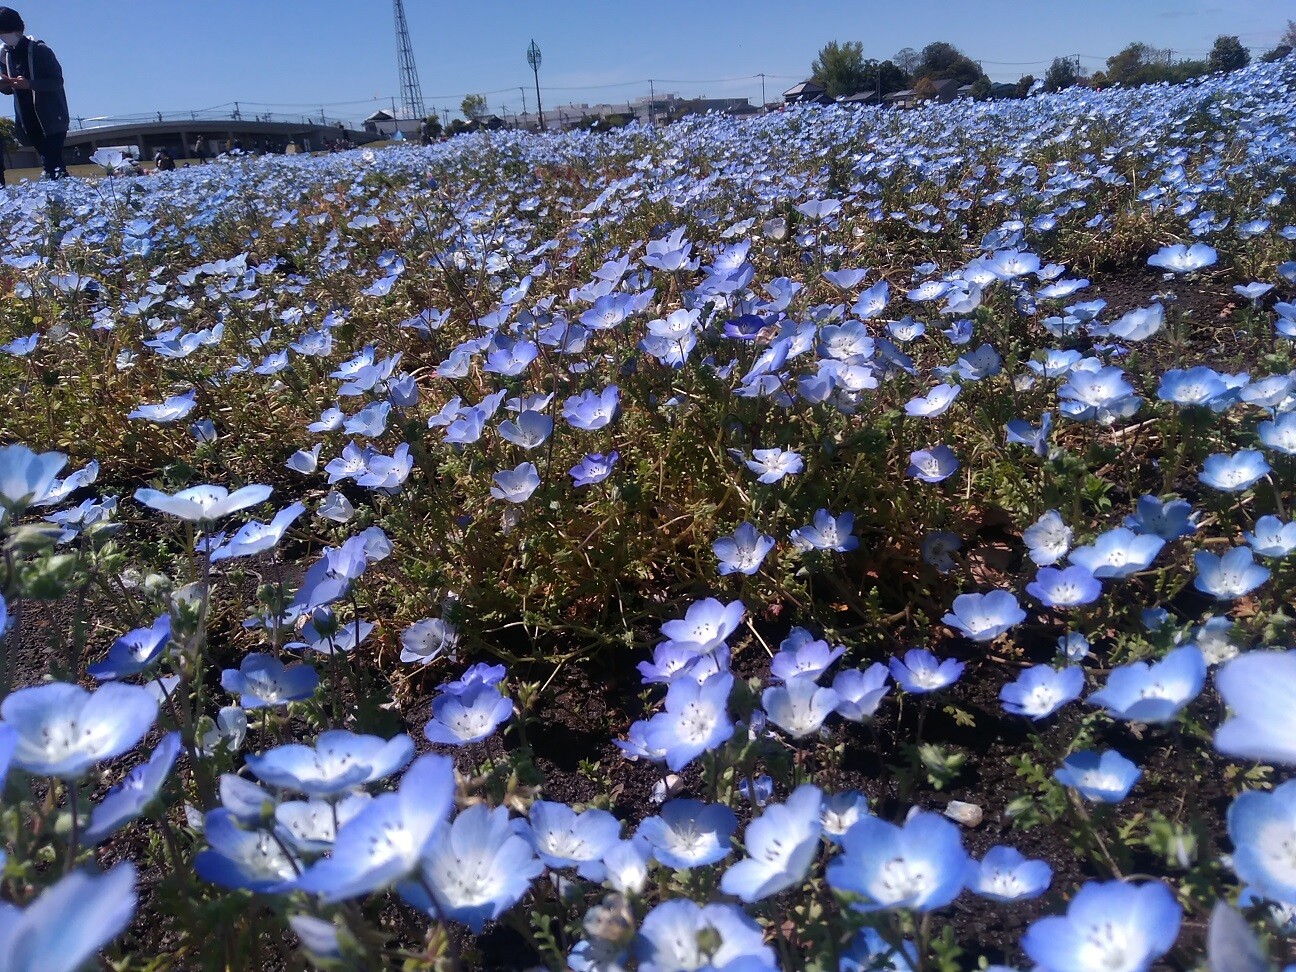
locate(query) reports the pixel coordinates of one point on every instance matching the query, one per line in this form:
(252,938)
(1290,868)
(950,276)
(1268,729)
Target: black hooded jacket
(44,107)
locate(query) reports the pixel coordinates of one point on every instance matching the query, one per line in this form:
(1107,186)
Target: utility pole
(533,58)
(522,88)
(652,103)
(762,77)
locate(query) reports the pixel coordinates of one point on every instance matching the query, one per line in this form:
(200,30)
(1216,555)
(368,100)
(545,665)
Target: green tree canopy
(473,106)
(1062,73)
(907,60)
(1228,54)
(1024,85)
(884,77)
(940,60)
(840,68)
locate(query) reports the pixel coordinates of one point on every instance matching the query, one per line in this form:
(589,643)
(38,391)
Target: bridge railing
(212,115)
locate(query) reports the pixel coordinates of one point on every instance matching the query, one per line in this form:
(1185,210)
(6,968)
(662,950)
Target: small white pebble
(968,814)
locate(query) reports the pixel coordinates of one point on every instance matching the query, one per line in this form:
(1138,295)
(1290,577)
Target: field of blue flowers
(825,541)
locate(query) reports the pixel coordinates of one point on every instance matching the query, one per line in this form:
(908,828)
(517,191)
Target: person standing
(31,73)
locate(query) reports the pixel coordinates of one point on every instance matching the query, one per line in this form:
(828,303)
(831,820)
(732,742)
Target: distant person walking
(31,73)
(200,149)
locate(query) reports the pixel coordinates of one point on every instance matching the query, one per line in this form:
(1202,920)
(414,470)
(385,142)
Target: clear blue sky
(141,56)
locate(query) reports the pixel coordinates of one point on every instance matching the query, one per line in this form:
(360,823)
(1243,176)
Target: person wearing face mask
(31,73)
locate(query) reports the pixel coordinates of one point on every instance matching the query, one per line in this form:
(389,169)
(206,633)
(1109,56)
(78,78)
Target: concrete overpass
(179,135)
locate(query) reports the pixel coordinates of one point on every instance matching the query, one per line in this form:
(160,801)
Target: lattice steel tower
(411,93)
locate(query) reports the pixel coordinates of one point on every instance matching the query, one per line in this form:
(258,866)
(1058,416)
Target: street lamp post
(533,58)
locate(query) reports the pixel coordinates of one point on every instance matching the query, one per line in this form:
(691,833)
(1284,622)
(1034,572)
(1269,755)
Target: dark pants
(50,148)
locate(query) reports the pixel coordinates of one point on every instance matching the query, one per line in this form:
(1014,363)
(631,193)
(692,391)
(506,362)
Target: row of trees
(843,69)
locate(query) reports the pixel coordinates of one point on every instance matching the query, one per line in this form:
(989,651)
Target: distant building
(809,92)
(902,99)
(860,98)
(385,124)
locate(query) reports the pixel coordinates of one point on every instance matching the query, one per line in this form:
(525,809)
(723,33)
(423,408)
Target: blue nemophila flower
(1047,539)
(1262,826)
(339,761)
(427,640)
(468,717)
(1268,392)
(799,706)
(984,617)
(321,940)
(594,468)
(1232,945)
(758,791)
(64,928)
(827,532)
(133,652)
(530,430)
(705,625)
(1153,692)
(984,362)
(625,865)
(385,840)
(801,653)
(1118,553)
(846,279)
(1167,519)
(1138,324)
(131,797)
(1192,386)
(1112,925)
(840,812)
(1039,691)
(1232,474)
(689,833)
(1280,434)
(1066,588)
(592,410)
(934,465)
(1181,258)
(937,549)
(305,461)
(25,477)
(1036,437)
(239,857)
(920,671)
(516,485)
(63,730)
(255,537)
(1229,576)
(935,402)
(868,952)
(171,410)
(771,465)
(681,934)
(1271,537)
(1101,396)
(744,552)
(1259,688)
(203,504)
(263,681)
(309,827)
(859,693)
(781,845)
(921,865)
(474,675)
(561,837)
(695,720)
(1101,778)
(1006,875)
